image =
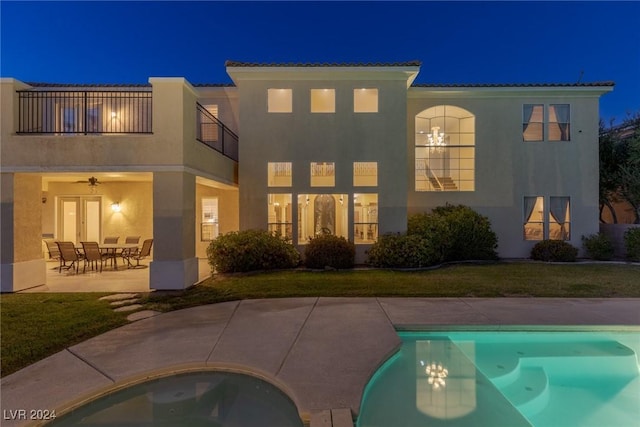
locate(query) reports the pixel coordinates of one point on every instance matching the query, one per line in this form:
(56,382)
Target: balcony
(84,112)
(213,133)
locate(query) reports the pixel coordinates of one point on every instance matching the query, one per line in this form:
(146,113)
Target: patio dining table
(111,249)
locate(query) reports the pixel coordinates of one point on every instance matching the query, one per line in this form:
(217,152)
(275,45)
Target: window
(279,174)
(70,119)
(279,213)
(322,214)
(323,174)
(559,218)
(365,218)
(279,100)
(209,228)
(540,224)
(323,100)
(365,100)
(559,126)
(365,174)
(445,149)
(207,124)
(558,122)
(532,122)
(534,218)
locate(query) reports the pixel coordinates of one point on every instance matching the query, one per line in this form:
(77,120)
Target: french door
(79,219)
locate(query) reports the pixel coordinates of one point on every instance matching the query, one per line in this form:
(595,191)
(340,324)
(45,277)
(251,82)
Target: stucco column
(174,264)
(21,263)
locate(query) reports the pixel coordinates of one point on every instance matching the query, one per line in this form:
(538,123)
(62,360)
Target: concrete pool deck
(320,351)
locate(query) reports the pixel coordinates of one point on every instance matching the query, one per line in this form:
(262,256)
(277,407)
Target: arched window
(445,149)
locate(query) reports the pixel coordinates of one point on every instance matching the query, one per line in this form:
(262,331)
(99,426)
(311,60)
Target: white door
(79,219)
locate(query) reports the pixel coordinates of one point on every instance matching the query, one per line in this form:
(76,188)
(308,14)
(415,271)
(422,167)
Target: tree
(620,165)
(630,175)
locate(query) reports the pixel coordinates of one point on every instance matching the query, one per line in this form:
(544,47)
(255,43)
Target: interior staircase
(443,183)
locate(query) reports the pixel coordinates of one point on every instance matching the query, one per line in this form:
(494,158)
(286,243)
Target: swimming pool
(214,399)
(509,379)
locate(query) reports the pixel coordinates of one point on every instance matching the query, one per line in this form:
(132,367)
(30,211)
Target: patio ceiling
(105,177)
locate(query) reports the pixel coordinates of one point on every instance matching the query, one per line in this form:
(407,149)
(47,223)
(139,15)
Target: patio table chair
(52,248)
(68,254)
(143,253)
(128,253)
(110,253)
(92,255)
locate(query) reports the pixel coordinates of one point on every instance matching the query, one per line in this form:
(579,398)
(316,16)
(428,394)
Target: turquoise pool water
(213,399)
(510,379)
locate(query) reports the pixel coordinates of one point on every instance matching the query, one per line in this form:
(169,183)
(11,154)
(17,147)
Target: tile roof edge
(477,85)
(43,84)
(230,63)
(115,85)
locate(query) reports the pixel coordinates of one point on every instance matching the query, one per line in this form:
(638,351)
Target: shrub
(458,232)
(598,246)
(250,250)
(632,243)
(403,251)
(554,250)
(327,250)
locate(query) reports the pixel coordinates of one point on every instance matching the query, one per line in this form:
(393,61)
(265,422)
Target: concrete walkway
(320,351)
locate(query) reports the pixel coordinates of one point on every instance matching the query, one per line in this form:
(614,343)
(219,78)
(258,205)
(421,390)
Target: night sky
(457,42)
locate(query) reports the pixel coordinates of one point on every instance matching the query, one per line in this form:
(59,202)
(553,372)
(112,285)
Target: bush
(554,251)
(458,232)
(327,250)
(403,251)
(598,246)
(632,243)
(250,250)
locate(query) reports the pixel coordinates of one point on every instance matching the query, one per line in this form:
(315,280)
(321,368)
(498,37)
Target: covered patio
(122,280)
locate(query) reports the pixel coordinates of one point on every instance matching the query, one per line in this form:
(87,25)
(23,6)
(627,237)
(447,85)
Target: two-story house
(347,149)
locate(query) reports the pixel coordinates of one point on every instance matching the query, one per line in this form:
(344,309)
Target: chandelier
(435,139)
(436,374)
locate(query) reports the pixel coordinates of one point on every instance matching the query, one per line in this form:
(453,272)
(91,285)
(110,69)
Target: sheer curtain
(527,113)
(529,206)
(558,208)
(562,117)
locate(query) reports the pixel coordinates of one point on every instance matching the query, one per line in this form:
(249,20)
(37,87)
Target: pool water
(511,379)
(214,399)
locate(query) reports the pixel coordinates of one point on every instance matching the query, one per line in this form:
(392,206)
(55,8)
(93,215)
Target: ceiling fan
(93,183)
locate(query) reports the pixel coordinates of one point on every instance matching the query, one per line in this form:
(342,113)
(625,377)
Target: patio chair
(110,253)
(92,255)
(68,254)
(128,253)
(143,253)
(52,248)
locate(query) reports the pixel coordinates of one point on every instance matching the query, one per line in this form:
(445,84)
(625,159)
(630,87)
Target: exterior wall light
(114,114)
(116,207)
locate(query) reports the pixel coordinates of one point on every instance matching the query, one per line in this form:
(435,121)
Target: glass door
(79,219)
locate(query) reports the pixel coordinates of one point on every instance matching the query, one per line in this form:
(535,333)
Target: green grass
(461,280)
(34,326)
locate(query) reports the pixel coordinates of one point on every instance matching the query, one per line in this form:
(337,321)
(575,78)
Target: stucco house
(299,149)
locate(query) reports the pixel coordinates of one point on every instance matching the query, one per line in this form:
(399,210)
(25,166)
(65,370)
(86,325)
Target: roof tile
(322,64)
(472,85)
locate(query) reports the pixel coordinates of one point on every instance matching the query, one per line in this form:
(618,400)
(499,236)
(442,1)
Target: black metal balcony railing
(84,112)
(213,133)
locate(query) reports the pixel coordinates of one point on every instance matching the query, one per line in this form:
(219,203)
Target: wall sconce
(116,207)
(114,114)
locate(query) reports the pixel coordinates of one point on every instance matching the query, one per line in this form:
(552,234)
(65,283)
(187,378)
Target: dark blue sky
(457,42)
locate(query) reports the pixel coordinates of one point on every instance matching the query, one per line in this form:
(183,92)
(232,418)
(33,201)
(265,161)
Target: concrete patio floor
(109,280)
(320,351)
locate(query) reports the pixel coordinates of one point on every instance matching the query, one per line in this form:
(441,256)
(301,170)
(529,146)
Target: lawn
(34,326)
